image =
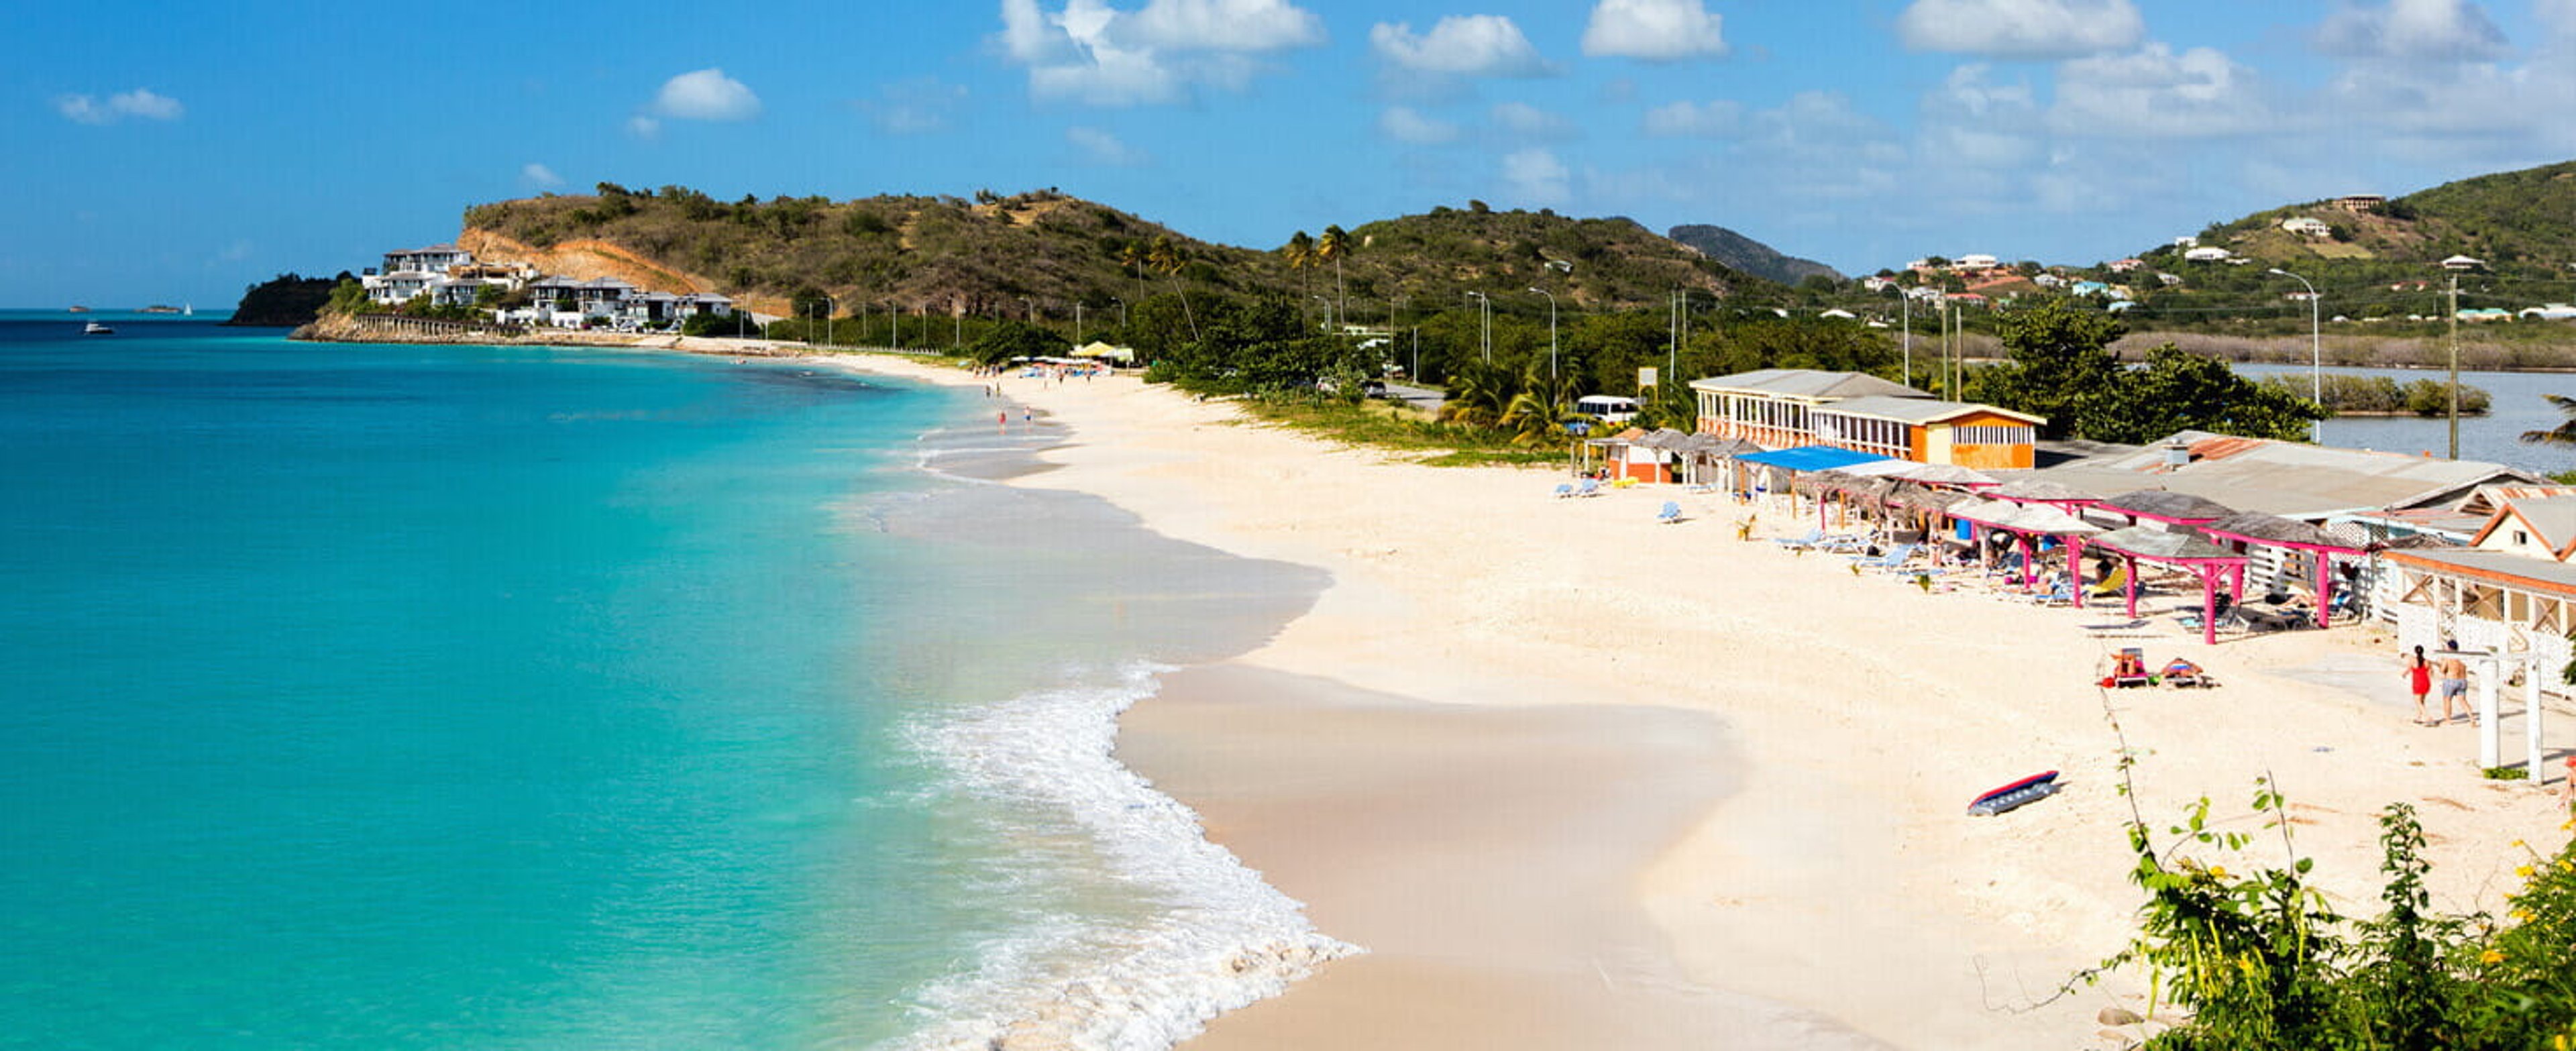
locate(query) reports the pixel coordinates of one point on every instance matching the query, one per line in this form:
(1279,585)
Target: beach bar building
(1928,430)
(1789,408)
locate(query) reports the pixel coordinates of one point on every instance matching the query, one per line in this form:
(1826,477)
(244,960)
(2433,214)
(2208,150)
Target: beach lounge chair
(1564,489)
(2113,584)
(1895,556)
(1671,513)
(2129,669)
(2184,675)
(1590,487)
(2191,621)
(1813,537)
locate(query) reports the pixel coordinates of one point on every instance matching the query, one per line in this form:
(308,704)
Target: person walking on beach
(2455,681)
(2419,680)
(1002,421)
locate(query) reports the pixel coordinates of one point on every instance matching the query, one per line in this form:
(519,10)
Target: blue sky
(177,152)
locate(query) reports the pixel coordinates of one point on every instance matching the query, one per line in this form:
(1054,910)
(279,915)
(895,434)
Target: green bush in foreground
(2261,962)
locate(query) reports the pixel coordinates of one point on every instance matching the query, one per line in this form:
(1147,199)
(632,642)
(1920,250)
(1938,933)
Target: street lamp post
(1328,312)
(1905,309)
(1485,309)
(1077,322)
(1032,308)
(1551,329)
(2316,353)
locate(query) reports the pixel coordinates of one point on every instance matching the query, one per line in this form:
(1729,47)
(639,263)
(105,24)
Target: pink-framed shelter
(2189,551)
(2027,526)
(2273,531)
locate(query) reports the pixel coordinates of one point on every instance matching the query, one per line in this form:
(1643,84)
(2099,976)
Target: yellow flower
(2491,956)
(2522,914)
(2219,871)
(2524,872)
(2520,843)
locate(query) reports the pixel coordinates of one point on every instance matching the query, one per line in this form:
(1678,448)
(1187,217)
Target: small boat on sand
(2016,795)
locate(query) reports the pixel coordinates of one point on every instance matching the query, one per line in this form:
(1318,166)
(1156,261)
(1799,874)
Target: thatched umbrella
(2164,505)
(1947,474)
(2040,491)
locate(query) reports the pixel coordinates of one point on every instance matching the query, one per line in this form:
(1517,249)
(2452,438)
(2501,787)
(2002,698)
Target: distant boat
(158,308)
(95,328)
(187,310)
(80,310)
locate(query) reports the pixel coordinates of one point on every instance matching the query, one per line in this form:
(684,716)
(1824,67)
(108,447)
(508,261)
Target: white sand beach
(1578,779)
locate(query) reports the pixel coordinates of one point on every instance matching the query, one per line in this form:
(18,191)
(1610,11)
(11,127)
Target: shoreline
(1839,883)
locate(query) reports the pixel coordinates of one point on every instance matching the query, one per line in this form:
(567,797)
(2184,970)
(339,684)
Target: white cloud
(2024,29)
(1522,120)
(539,176)
(2157,93)
(1460,45)
(2413,30)
(1535,176)
(916,106)
(1715,119)
(1102,148)
(1227,25)
(140,103)
(706,94)
(1654,30)
(643,127)
(1408,125)
(1092,53)
(1975,123)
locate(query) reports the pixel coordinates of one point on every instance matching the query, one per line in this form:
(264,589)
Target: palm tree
(2564,433)
(1334,245)
(1133,254)
(1537,410)
(1167,259)
(1477,394)
(1300,251)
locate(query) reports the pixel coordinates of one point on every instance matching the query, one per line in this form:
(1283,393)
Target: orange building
(1927,430)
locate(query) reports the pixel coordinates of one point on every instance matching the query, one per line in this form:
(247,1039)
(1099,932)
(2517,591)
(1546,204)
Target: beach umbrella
(2165,505)
(1946,474)
(2040,491)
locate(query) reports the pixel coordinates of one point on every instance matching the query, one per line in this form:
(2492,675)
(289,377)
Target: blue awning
(1811,458)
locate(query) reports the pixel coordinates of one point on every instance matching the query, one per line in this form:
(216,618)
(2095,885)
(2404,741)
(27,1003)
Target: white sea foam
(1198,935)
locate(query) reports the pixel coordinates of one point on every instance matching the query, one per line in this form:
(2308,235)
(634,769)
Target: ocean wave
(1211,937)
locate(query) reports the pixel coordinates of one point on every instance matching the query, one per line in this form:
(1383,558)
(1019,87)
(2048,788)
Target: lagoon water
(428,697)
(2516,406)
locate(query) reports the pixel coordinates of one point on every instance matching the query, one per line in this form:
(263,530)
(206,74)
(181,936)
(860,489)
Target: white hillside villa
(448,276)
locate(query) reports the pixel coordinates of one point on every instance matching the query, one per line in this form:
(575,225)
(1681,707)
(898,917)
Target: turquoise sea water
(414,697)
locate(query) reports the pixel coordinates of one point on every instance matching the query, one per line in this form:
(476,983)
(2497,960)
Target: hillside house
(2205,254)
(2307,226)
(2463,263)
(2122,266)
(2360,203)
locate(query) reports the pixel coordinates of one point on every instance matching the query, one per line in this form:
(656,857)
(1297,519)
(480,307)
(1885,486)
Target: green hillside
(985,256)
(2376,264)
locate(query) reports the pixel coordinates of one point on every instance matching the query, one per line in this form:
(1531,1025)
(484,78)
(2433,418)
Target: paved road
(1423,398)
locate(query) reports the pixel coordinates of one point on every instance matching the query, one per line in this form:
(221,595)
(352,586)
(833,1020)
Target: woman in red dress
(2419,678)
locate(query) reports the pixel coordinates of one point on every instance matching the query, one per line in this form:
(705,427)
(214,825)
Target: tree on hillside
(1167,259)
(1300,253)
(2060,362)
(1333,246)
(1134,255)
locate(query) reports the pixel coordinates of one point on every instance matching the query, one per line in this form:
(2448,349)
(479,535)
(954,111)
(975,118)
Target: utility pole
(2455,366)
(1906,310)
